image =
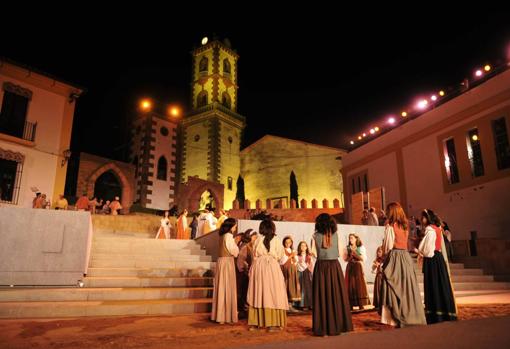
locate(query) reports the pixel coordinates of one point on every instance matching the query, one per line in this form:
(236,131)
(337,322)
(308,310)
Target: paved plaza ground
(196,331)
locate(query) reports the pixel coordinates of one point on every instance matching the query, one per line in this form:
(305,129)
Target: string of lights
(423,104)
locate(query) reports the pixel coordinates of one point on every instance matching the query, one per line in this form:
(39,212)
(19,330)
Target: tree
(240,191)
(294,189)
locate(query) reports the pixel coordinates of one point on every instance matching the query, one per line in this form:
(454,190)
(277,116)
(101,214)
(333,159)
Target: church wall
(195,159)
(230,160)
(267,165)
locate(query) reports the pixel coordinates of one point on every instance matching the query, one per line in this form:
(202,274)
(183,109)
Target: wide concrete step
(124,233)
(133,263)
(142,241)
(148,272)
(174,257)
(453,266)
(465,286)
(63,294)
(465,271)
(148,251)
(103,308)
(134,281)
(466,278)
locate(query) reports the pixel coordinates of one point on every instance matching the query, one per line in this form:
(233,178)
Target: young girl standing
(290,273)
(439,299)
(355,277)
(377,265)
(305,265)
(331,310)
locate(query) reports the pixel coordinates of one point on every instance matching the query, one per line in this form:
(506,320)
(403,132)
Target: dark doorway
(8,170)
(107,187)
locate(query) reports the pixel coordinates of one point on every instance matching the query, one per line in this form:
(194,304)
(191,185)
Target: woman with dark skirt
(400,301)
(354,275)
(439,299)
(377,265)
(331,309)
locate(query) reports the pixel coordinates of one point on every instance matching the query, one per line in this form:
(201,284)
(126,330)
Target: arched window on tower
(226,100)
(202,99)
(226,66)
(162,168)
(204,65)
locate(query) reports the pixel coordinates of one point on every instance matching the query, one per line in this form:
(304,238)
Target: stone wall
(266,166)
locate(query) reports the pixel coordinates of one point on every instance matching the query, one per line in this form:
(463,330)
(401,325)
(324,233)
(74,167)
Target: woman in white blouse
(224,306)
(439,299)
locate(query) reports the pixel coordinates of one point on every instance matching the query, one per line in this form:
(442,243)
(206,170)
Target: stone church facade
(177,160)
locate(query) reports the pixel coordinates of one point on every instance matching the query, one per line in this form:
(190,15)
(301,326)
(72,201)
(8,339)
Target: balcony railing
(27,133)
(220,107)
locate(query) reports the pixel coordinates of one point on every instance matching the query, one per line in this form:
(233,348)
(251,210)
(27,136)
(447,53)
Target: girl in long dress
(267,295)
(290,273)
(331,309)
(164,229)
(182,225)
(400,299)
(439,299)
(377,265)
(224,306)
(306,263)
(354,275)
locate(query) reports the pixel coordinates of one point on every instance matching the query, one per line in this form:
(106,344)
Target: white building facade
(36,118)
(453,159)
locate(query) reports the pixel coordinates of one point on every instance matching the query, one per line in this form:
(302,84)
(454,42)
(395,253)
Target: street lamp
(67,155)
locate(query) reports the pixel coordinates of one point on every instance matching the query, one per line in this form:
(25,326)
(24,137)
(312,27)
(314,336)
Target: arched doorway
(107,186)
(207,201)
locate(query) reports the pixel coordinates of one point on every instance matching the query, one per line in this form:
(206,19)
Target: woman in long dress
(331,308)
(164,229)
(439,299)
(400,301)
(267,295)
(182,225)
(224,306)
(354,274)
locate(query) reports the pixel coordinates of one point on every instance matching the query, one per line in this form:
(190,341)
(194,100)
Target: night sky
(316,76)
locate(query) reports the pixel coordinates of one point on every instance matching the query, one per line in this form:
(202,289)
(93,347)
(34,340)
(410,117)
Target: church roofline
(268,136)
(30,69)
(214,43)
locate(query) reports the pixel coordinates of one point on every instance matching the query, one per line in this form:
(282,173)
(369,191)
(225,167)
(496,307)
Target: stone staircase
(470,280)
(133,274)
(128,275)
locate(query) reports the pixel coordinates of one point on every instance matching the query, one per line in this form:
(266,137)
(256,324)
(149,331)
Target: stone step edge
(121,302)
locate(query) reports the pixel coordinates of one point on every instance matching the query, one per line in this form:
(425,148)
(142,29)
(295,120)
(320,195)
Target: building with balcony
(36,118)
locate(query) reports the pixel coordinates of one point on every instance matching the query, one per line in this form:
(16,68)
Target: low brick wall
(134,223)
(290,214)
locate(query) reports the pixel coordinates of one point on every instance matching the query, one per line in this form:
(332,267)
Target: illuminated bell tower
(211,132)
